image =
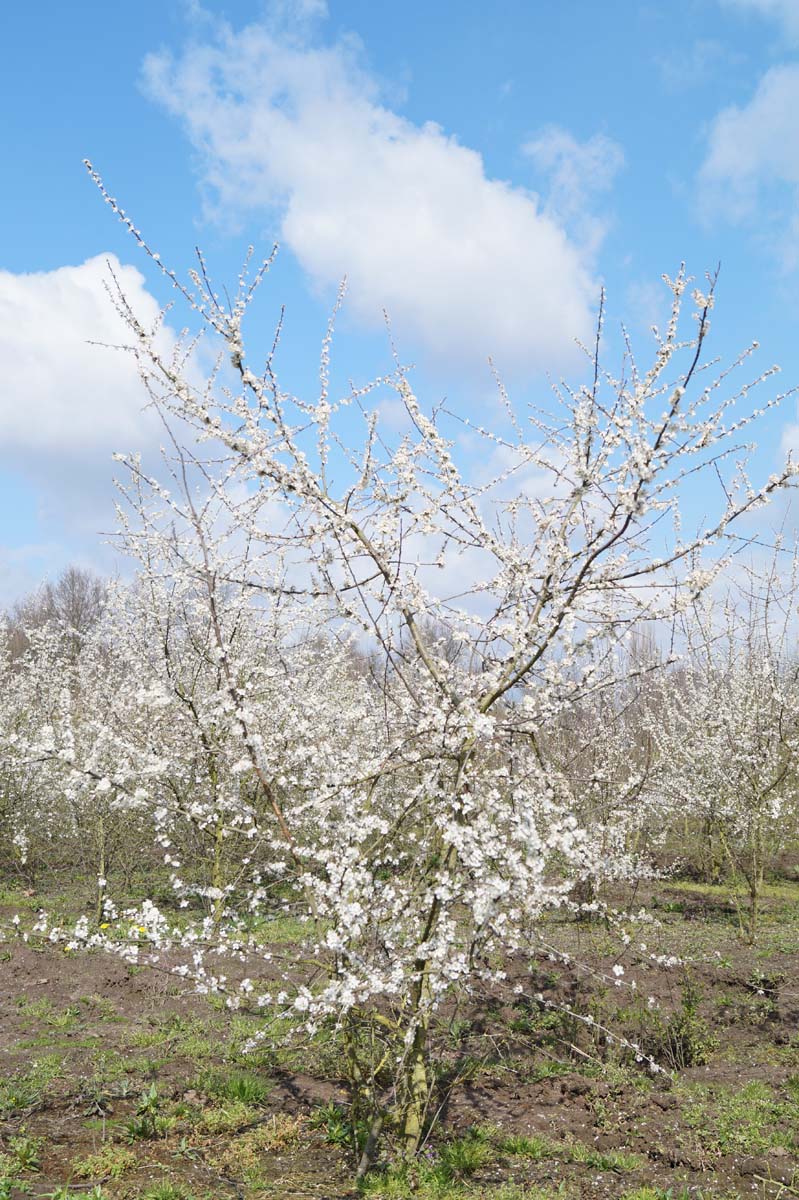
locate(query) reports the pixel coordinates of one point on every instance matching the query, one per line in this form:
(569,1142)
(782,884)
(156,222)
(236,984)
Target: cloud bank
(63,398)
(751,170)
(577,171)
(785,12)
(750,174)
(465,265)
(65,406)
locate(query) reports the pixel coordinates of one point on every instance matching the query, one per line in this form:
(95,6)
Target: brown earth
(83,1036)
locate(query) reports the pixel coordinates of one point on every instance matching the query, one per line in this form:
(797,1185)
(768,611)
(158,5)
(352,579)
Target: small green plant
(167,1191)
(25,1152)
(145,1066)
(421,1182)
(243,1086)
(243,1157)
(604,1160)
(338,1126)
(68,1193)
(549,1069)
(148,1122)
(744,1120)
(25,1091)
(650,1193)
(465,1155)
(684,1193)
(333,1119)
(514,1191)
(684,1039)
(65,1019)
(437,1175)
(109,1161)
(458,1031)
(101,1007)
(531,1146)
(688,1040)
(227,1117)
(38,1009)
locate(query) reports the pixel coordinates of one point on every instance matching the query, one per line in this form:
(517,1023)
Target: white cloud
(60,396)
(66,405)
(648,304)
(751,171)
(786,12)
(292,13)
(577,171)
(697,64)
(466,265)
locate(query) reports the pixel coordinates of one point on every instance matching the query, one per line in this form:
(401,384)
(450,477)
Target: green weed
(683,1039)
(148,1122)
(228,1117)
(167,1191)
(533,1146)
(245,1087)
(67,1192)
(109,1162)
(333,1119)
(243,1157)
(465,1155)
(25,1152)
(745,1120)
(604,1160)
(26,1091)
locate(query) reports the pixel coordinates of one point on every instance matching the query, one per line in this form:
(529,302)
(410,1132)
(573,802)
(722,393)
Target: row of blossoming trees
(364,678)
(123,758)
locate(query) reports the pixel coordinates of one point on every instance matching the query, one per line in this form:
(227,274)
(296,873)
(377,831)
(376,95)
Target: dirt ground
(113,1084)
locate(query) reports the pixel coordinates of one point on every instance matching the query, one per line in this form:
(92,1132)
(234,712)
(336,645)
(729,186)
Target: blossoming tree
(431,617)
(727,727)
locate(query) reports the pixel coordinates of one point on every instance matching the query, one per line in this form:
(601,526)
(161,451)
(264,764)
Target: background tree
(75,601)
(727,729)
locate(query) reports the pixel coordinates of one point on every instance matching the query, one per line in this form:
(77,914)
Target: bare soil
(84,1036)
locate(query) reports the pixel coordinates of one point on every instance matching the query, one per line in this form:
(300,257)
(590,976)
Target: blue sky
(478,170)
